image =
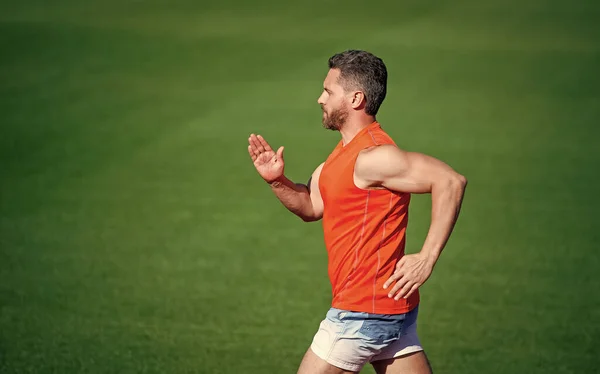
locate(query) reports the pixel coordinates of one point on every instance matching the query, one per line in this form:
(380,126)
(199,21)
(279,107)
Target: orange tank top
(364,230)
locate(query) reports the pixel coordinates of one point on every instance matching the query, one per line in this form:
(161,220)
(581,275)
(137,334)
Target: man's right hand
(268,163)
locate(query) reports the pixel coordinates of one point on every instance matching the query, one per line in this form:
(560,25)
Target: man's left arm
(390,167)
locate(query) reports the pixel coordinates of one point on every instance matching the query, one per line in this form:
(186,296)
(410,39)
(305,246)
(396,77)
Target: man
(362,192)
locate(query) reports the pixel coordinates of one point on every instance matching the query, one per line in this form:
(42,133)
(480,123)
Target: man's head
(356,82)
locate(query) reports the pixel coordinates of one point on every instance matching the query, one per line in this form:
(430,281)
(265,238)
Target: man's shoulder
(378,136)
(379,158)
(377,151)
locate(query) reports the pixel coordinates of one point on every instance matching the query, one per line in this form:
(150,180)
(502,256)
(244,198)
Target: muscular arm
(397,170)
(302,200)
(390,167)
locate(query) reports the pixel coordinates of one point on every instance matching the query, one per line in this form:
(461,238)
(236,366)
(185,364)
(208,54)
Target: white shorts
(349,340)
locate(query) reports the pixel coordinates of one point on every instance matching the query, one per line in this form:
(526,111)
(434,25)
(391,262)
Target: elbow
(461,181)
(456,182)
(309,218)
(306,218)
(453,184)
(310,215)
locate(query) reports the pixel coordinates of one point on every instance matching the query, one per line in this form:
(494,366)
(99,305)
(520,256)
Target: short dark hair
(364,71)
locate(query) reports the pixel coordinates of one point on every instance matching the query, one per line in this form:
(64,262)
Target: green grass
(136,237)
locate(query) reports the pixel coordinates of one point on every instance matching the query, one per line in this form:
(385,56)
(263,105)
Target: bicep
(315,193)
(417,174)
(403,171)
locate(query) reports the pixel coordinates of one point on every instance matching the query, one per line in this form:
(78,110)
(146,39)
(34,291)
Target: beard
(336,119)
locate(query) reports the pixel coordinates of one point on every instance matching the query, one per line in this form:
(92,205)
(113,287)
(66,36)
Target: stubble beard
(336,119)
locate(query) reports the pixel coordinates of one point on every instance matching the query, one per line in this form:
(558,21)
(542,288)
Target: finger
(401,283)
(257,144)
(397,275)
(407,287)
(280,153)
(253,145)
(264,143)
(412,290)
(391,280)
(251,152)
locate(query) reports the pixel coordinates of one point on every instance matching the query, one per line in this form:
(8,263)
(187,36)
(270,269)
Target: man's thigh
(313,364)
(413,363)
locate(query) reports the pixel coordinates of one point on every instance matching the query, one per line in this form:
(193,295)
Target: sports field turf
(136,237)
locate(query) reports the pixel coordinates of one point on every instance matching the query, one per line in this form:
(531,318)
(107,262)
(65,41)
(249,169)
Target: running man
(362,192)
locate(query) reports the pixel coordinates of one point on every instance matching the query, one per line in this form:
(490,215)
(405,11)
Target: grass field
(136,237)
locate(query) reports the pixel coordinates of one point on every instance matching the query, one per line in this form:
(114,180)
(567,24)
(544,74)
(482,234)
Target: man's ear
(358,100)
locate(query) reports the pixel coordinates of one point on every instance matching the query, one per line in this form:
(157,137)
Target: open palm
(268,163)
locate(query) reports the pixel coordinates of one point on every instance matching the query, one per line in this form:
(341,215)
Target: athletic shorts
(349,340)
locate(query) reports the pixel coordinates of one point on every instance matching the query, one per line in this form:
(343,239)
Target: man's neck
(352,127)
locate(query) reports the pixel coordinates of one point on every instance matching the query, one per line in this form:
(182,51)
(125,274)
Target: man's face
(333,101)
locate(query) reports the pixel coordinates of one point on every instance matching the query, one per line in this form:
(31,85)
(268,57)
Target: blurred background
(136,236)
